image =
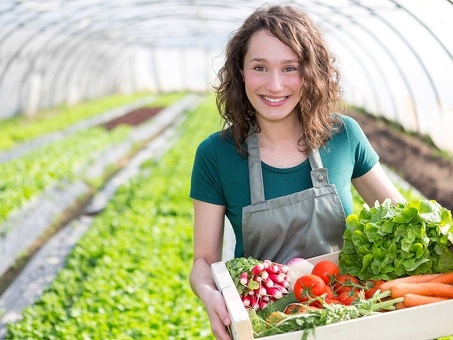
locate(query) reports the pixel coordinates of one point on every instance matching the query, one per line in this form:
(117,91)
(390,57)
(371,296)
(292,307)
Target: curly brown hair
(321,91)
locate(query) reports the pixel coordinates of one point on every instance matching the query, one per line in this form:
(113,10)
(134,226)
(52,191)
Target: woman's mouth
(274,100)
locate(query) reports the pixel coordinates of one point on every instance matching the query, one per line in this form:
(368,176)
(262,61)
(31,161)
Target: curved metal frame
(86,43)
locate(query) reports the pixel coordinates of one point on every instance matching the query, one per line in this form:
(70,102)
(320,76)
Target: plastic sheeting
(395,55)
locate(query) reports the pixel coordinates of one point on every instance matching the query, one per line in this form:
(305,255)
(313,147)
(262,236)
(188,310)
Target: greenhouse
(103,107)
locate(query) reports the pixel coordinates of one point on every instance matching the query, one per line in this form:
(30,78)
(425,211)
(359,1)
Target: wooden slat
(241,327)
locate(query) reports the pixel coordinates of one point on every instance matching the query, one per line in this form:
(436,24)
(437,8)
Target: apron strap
(255,171)
(319,175)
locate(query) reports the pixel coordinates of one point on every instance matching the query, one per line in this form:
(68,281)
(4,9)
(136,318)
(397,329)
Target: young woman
(282,167)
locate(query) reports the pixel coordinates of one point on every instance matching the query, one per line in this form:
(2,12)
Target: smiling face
(272,77)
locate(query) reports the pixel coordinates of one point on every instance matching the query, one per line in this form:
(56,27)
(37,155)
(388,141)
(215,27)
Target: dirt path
(414,160)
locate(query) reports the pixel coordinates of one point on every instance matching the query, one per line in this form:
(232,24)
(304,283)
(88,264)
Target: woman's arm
(209,222)
(376,186)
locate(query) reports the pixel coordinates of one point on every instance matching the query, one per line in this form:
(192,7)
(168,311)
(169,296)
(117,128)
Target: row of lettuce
(21,128)
(127,277)
(24,178)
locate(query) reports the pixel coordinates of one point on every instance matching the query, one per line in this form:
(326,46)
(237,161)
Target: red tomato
(308,287)
(347,299)
(329,292)
(332,300)
(371,287)
(326,270)
(345,283)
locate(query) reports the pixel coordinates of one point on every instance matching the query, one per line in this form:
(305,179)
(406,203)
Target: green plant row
(26,177)
(127,278)
(22,128)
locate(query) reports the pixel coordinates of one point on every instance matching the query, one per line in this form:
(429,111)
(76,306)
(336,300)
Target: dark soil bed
(415,161)
(133,118)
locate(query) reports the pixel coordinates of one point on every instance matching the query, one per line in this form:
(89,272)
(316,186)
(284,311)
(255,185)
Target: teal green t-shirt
(220,174)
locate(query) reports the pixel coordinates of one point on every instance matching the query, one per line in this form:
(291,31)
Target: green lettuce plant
(389,241)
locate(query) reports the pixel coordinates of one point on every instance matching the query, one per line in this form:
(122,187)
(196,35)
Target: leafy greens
(389,241)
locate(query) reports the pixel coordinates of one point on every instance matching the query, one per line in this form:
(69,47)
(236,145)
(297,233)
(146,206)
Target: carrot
(420,278)
(444,278)
(412,300)
(400,305)
(425,288)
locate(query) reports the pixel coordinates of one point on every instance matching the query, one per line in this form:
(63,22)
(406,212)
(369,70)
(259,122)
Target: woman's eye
(290,69)
(259,68)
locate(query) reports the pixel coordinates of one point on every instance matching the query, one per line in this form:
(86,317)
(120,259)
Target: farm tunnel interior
(138,60)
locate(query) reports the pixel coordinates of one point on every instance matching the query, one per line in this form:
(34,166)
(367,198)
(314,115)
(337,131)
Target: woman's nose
(274,82)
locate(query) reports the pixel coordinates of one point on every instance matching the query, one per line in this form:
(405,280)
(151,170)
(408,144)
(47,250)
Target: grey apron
(304,224)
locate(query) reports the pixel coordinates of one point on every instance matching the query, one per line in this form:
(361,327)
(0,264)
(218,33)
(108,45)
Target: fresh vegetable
(308,287)
(258,282)
(389,241)
(409,279)
(345,284)
(372,286)
(324,297)
(444,278)
(413,300)
(308,318)
(297,268)
(327,270)
(427,288)
(348,298)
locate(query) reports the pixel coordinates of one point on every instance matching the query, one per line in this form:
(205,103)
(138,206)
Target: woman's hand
(209,220)
(218,315)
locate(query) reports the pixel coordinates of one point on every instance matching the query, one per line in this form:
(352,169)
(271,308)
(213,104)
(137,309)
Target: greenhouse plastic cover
(396,56)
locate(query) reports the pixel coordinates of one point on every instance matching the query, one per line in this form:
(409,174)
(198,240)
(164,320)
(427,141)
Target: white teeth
(274,100)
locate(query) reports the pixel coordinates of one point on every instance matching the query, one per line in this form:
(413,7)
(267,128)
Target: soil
(416,161)
(133,118)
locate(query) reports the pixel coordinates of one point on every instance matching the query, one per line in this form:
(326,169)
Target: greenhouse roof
(207,23)
(396,55)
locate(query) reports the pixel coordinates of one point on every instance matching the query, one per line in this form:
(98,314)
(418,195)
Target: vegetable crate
(422,322)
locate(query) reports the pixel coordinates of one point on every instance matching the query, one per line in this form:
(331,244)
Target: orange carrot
(444,278)
(400,305)
(408,279)
(425,288)
(412,300)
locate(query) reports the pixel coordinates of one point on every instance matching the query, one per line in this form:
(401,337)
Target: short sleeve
(365,157)
(205,182)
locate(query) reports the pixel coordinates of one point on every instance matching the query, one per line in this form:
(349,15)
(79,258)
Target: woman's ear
(242,74)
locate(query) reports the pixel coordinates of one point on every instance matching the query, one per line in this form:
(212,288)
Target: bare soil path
(415,161)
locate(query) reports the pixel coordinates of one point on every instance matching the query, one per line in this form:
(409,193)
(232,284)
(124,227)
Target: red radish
(258,269)
(244,278)
(275,293)
(259,282)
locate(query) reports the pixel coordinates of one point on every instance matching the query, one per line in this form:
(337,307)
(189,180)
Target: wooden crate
(419,323)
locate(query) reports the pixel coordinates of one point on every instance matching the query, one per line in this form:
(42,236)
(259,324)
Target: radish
(297,268)
(259,282)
